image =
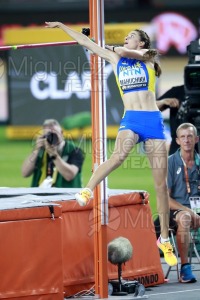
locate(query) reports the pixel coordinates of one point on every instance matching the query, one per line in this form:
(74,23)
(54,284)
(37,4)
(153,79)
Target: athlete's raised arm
(84,41)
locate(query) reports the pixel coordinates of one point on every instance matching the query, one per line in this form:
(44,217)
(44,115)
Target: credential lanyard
(186,172)
(186,177)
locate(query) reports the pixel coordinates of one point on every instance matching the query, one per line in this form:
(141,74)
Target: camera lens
(52,138)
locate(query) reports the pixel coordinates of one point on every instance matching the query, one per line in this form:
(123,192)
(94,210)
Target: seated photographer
(183,184)
(54,162)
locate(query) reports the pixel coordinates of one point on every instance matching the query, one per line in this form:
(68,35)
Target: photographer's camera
(51,138)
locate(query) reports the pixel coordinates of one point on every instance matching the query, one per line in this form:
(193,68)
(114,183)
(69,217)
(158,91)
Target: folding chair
(194,240)
(192,249)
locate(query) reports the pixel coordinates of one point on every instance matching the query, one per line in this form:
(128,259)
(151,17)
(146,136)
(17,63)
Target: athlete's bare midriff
(140,100)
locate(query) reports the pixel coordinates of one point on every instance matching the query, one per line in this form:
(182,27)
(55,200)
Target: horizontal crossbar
(16,47)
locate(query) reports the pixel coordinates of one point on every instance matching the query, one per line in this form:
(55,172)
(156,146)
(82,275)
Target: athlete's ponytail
(157,69)
(151,53)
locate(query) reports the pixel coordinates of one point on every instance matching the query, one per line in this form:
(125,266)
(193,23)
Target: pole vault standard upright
(98,105)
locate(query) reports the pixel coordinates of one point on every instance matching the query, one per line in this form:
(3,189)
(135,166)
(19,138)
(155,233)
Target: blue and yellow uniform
(133,75)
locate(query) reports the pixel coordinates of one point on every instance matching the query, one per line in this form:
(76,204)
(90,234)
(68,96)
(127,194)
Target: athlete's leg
(125,141)
(157,154)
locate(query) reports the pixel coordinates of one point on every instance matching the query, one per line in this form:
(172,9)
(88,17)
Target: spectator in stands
(183,183)
(54,161)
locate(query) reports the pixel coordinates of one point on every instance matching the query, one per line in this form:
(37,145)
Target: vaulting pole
(98,106)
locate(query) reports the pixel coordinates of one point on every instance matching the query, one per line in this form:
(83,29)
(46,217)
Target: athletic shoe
(84,196)
(167,250)
(186,275)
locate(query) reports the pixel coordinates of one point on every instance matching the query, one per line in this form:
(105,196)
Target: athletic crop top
(133,75)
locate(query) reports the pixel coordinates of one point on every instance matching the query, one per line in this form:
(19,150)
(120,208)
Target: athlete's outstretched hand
(52,24)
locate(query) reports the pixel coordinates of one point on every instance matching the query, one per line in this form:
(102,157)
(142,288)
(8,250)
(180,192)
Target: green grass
(134,174)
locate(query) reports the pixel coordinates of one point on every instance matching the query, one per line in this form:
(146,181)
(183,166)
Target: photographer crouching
(54,162)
